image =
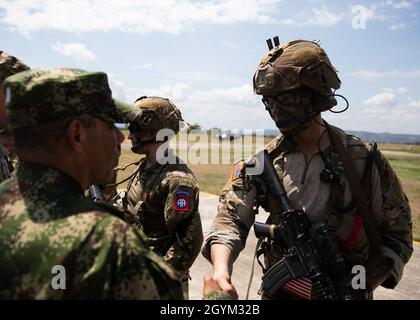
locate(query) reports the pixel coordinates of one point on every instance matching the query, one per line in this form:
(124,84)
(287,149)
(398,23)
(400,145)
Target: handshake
(218,288)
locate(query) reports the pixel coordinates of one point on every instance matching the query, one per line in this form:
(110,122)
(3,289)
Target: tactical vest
(144,201)
(344,221)
(146,204)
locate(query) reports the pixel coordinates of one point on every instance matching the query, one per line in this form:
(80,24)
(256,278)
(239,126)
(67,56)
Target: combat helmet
(157,113)
(300,66)
(296,64)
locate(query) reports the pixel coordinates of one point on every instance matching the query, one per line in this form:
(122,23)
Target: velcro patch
(181,200)
(237,169)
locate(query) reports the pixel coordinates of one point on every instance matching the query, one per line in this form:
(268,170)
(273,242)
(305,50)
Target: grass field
(408,170)
(212,177)
(410,148)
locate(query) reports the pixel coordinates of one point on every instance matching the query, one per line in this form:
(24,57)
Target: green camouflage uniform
(390,207)
(173,230)
(8,65)
(46,221)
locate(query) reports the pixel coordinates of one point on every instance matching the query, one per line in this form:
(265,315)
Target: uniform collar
(35,177)
(281,144)
(157,166)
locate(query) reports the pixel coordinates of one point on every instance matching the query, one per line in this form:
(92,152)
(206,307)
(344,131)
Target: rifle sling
(356,188)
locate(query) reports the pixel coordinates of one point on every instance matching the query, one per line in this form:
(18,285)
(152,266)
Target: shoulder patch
(237,169)
(181,200)
(179,179)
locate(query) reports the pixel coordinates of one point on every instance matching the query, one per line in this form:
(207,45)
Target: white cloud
(387,12)
(402,5)
(76,51)
(400,90)
(375,13)
(170,16)
(144,66)
(178,91)
(118,88)
(374,74)
(381,99)
(414,104)
(195,75)
(318,17)
(324,17)
(231,44)
(397,26)
(232,107)
(240,96)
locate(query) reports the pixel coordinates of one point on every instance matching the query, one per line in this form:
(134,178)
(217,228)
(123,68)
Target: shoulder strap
(376,257)
(356,188)
(273,148)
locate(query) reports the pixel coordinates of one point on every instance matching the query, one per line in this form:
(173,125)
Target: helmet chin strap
(296,130)
(136,147)
(314,107)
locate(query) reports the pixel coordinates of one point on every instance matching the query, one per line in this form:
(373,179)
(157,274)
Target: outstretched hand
(219,283)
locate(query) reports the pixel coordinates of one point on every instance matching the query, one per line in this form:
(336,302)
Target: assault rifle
(309,256)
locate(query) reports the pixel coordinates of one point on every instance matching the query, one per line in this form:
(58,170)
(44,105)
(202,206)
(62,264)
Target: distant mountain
(384,137)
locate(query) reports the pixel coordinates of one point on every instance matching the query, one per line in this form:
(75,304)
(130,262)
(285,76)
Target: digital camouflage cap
(158,113)
(10,65)
(40,96)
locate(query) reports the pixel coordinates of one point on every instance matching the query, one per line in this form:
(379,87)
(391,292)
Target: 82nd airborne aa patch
(181,200)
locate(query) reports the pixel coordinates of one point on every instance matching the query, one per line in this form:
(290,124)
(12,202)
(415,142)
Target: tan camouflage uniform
(321,201)
(297,82)
(163,199)
(45,220)
(173,231)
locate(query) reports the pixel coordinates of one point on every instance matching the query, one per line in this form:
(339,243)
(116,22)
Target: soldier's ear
(76,136)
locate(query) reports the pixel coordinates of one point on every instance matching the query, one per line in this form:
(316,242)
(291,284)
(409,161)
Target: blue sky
(203,54)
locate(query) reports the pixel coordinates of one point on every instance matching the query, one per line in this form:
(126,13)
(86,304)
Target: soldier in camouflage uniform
(296,82)
(163,194)
(62,121)
(8,65)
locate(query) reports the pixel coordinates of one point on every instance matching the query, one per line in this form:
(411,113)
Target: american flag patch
(301,287)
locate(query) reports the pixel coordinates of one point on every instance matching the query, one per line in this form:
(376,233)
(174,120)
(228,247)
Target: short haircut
(45,137)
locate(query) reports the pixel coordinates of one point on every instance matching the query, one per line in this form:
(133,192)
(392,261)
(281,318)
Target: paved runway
(408,288)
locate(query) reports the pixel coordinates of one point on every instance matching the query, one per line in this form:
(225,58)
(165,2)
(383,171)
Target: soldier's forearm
(222,259)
